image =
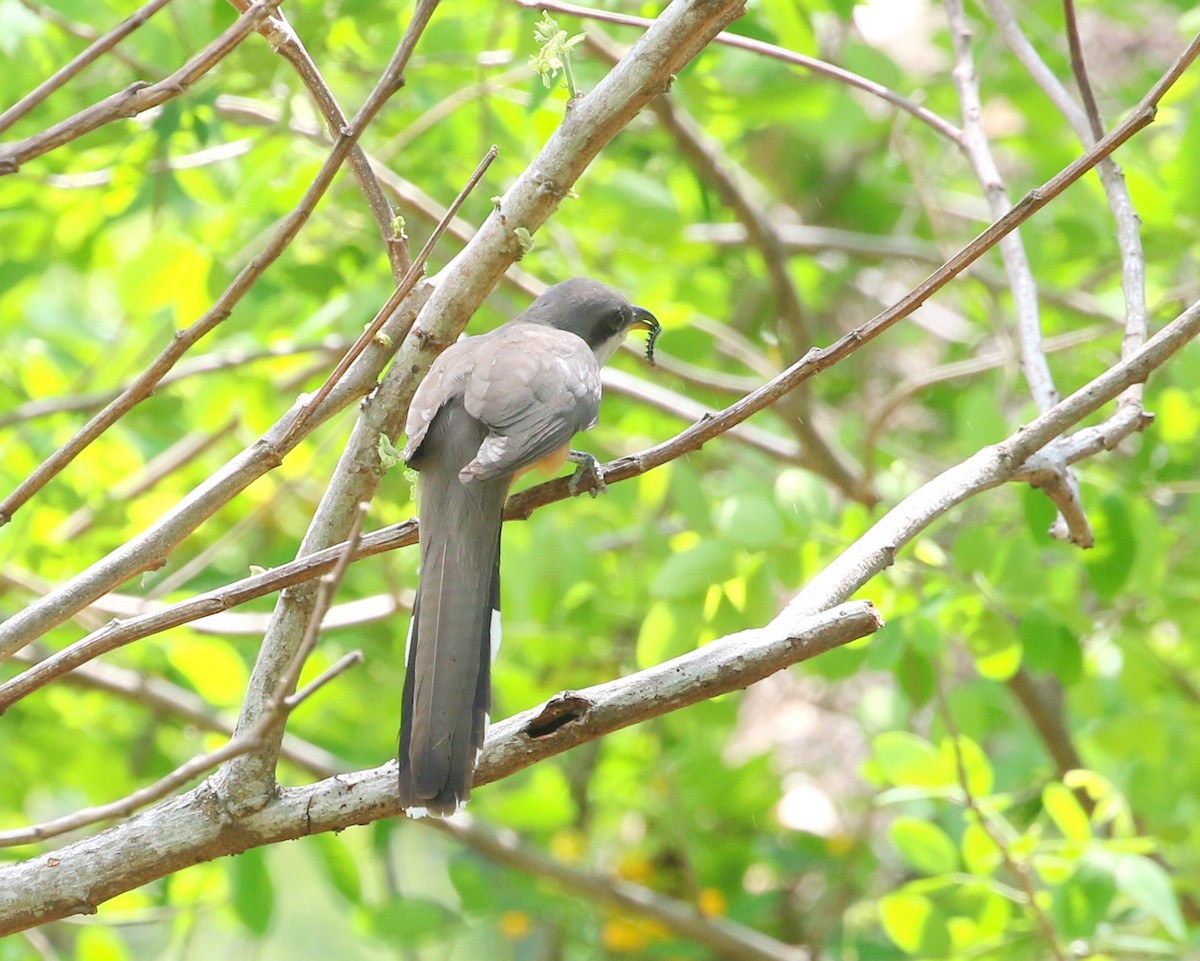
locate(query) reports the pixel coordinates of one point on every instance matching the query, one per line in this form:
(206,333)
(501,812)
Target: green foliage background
(107,250)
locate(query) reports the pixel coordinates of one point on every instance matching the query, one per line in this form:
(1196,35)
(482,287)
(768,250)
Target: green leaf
(995,647)
(751,522)
(912,922)
(1108,565)
(1082,903)
(975,764)
(411,920)
(253,898)
(924,845)
(1049,646)
(659,639)
(1149,886)
(1066,813)
(212,666)
(94,943)
(907,759)
(341,866)
(690,572)
(979,851)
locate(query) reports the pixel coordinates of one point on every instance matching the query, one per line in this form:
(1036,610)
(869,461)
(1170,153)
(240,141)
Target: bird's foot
(587,473)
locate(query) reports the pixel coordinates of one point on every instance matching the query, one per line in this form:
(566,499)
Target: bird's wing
(533,387)
(447,378)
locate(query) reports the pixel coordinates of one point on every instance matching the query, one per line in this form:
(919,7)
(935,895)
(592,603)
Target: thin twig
(820,359)
(724,937)
(285,41)
(83,32)
(183,340)
(338,667)
(183,452)
(1063,488)
(245,743)
(415,272)
(812,239)
(125,806)
(941,125)
(63,75)
(984,361)
(1010,460)
(740,192)
(162,698)
(1020,870)
(253,738)
(1091,108)
(137,97)
(1129,239)
(328,587)
(199,366)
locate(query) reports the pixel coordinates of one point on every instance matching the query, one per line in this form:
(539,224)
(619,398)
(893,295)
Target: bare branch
(193,828)
(744,196)
(726,938)
(64,75)
(1091,108)
(164,698)
(942,126)
(412,199)
(241,744)
(137,97)
(1019,869)
(183,340)
(147,550)
(990,467)
(183,452)
(282,703)
(1063,491)
(415,271)
(198,366)
(985,360)
(683,407)
(83,32)
(287,44)
(164,787)
(680,33)
(808,238)
(1129,238)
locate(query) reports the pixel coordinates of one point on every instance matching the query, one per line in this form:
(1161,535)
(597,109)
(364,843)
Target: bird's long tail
(455,624)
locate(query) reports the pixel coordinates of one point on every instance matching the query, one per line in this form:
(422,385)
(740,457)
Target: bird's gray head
(596,313)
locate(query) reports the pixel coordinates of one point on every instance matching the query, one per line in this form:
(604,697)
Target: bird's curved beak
(644,320)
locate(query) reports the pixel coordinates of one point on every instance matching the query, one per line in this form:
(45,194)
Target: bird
(492,407)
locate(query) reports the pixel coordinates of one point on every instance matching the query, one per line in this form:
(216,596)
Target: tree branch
(1063,488)
(137,97)
(285,42)
(990,467)
(183,340)
(64,75)
(196,826)
(680,33)
(728,939)
(941,125)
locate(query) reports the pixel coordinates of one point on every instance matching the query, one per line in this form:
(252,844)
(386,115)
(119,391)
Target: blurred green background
(823,808)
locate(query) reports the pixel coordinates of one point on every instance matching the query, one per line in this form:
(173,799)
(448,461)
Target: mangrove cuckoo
(491,408)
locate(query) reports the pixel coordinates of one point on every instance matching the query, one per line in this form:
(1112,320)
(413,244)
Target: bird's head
(597,314)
